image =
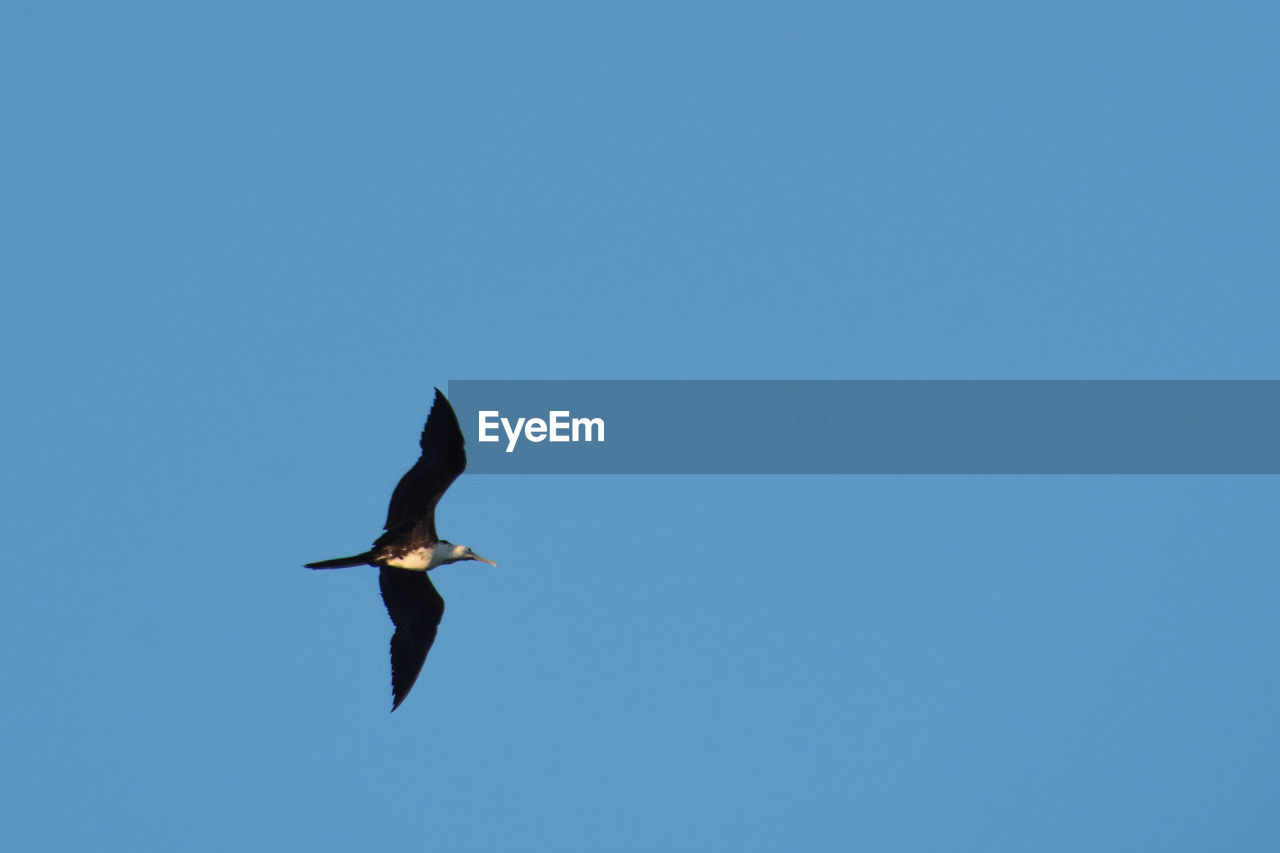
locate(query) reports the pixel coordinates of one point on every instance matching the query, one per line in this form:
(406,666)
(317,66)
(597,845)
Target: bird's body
(424,559)
(410,547)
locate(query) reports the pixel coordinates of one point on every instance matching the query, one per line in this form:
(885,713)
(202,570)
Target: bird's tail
(343,562)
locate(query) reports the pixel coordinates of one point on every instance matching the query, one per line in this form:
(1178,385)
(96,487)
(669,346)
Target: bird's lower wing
(416,609)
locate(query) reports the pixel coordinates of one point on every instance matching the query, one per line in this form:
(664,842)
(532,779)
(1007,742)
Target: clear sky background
(241,242)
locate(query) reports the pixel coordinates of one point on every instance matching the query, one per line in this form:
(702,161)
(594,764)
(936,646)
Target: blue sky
(241,243)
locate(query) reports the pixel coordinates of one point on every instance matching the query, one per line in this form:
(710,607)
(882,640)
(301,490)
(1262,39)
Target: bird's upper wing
(416,609)
(413,503)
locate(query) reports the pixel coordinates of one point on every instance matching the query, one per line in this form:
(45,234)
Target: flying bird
(410,547)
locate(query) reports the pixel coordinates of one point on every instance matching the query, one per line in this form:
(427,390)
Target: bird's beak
(483,560)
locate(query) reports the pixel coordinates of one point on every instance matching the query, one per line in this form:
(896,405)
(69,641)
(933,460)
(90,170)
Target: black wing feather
(416,609)
(413,503)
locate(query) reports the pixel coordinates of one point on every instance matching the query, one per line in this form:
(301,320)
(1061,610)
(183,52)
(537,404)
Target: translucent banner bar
(870,427)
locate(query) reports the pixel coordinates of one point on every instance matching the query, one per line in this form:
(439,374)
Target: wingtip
(435,401)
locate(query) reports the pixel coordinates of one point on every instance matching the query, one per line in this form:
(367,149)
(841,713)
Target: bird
(410,547)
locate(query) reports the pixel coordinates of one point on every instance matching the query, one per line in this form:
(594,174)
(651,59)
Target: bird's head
(458,553)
